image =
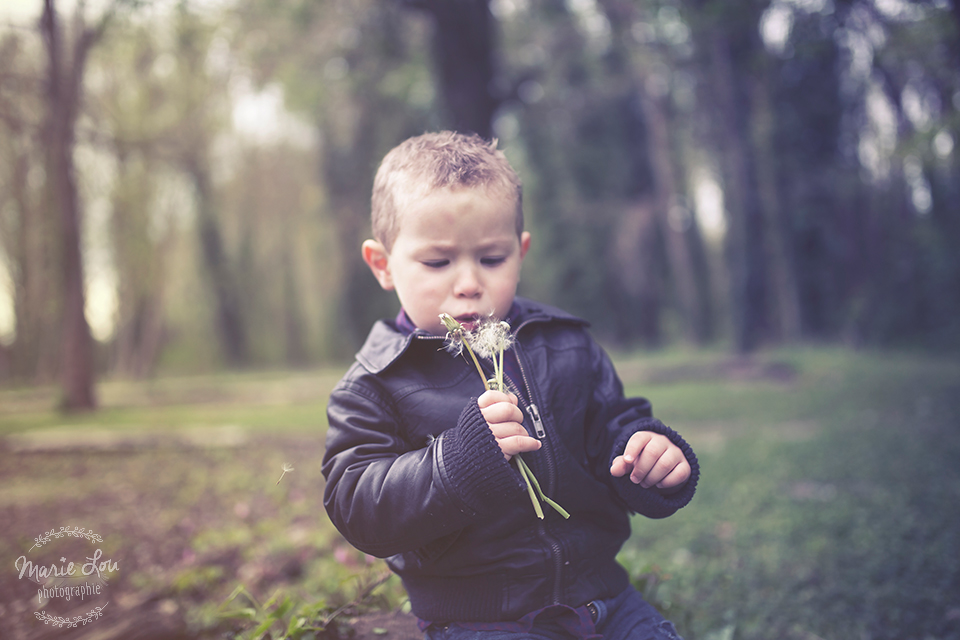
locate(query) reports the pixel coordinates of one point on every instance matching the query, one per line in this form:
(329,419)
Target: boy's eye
(435,264)
(492,262)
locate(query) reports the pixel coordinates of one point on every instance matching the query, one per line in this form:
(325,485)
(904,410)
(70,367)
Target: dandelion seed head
(491,337)
(450,322)
(453,346)
(453,343)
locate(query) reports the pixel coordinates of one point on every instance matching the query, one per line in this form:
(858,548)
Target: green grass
(829,504)
(262,402)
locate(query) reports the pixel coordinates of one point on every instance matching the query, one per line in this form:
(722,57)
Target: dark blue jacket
(415,475)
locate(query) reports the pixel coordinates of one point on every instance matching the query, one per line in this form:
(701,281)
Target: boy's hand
(652,461)
(505,420)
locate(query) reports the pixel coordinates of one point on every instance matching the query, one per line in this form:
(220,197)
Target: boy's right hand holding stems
(505,419)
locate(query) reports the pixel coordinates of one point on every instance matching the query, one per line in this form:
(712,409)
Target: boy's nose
(467,284)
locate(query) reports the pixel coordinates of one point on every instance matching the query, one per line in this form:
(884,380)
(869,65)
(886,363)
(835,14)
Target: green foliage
(280,614)
(282,617)
(274,612)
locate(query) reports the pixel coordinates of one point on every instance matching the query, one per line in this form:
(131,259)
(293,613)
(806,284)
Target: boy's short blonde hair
(432,161)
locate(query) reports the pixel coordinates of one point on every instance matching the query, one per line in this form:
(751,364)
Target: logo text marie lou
(93,565)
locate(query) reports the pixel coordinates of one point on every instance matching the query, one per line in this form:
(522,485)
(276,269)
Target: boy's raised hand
(505,420)
(652,461)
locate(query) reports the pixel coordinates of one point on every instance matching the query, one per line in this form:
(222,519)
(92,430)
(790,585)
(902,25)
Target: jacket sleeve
(616,418)
(386,497)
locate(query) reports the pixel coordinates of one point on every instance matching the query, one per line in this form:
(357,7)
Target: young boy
(418,453)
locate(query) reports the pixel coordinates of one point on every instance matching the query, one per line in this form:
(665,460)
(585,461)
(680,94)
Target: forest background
(184,185)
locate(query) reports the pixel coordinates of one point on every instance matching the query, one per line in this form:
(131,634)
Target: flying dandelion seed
(287,468)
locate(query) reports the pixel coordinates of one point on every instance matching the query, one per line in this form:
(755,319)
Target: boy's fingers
(508,429)
(652,460)
(513,438)
(635,445)
(676,477)
(670,461)
(642,452)
(491,397)
(619,467)
(512,445)
(651,466)
(625,462)
(501,412)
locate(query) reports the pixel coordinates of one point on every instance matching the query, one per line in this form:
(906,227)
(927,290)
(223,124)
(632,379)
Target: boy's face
(456,252)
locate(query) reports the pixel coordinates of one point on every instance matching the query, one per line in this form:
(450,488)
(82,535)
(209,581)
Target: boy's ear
(377,258)
(524,244)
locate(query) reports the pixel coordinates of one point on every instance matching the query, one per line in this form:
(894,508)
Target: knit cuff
(651,502)
(474,465)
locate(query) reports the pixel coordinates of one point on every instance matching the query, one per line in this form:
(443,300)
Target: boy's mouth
(469,321)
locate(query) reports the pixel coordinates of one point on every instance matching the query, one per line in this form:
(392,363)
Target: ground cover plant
(828,506)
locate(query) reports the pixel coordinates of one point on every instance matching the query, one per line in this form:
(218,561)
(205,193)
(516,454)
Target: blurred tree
(66,53)
(607,192)
(464,53)
(806,178)
(272,202)
(914,287)
(202,103)
(355,70)
(580,145)
(643,68)
(131,107)
(27,228)
(836,148)
(731,49)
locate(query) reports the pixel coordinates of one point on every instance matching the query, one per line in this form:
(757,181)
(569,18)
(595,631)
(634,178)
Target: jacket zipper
(551,541)
(537,422)
(534,412)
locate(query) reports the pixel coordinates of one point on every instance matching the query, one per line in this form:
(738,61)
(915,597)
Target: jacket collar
(385,343)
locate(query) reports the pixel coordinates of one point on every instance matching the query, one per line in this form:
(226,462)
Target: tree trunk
(230,322)
(656,186)
(34,353)
(781,257)
(745,246)
(463,54)
(672,222)
(141,267)
(64,82)
(295,346)
(637,255)
(345,164)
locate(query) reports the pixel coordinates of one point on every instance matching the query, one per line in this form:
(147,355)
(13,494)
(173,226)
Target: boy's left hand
(652,461)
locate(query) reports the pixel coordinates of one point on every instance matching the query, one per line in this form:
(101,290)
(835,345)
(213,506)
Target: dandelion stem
(540,492)
(483,377)
(527,475)
(500,372)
